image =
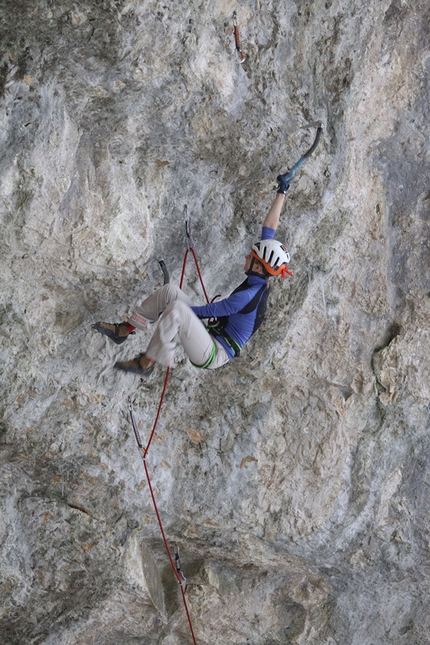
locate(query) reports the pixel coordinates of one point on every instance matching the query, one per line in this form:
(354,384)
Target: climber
(231,322)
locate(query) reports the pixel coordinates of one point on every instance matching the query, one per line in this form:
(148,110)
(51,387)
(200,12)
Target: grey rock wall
(294,480)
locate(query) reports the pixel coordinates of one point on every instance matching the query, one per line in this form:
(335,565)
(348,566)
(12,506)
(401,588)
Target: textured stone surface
(294,480)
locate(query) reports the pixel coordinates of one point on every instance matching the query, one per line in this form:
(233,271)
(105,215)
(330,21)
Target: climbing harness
(174,562)
(236,39)
(217,330)
(210,360)
(290,174)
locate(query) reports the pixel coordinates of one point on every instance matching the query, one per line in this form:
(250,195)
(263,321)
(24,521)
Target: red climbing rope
(166,544)
(190,248)
(144,452)
(160,405)
(198,271)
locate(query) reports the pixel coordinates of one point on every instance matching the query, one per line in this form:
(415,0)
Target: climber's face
(251,264)
(248,260)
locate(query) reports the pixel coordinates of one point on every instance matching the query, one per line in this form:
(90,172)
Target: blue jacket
(242,311)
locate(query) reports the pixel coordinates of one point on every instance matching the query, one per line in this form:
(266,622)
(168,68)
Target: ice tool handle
(290,174)
(165,271)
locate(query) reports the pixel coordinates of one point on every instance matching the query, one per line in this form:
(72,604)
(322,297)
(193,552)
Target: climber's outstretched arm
(274,214)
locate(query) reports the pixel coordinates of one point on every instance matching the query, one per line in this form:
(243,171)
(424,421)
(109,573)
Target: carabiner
(189,239)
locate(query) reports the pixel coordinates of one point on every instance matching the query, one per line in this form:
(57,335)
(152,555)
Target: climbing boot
(140,365)
(118,332)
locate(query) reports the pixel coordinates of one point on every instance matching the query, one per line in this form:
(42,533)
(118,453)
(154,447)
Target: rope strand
(198,271)
(160,405)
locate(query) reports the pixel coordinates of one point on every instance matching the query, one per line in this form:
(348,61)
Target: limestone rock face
(295,479)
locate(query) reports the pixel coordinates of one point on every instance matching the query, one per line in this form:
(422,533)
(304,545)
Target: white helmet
(273,256)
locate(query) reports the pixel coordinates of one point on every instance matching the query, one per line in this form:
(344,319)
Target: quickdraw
(236,39)
(190,249)
(178,568)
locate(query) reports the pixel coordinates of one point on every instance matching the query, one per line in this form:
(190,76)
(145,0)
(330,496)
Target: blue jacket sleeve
(267,233)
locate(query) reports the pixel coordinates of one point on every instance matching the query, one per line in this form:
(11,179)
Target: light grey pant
(176,318)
